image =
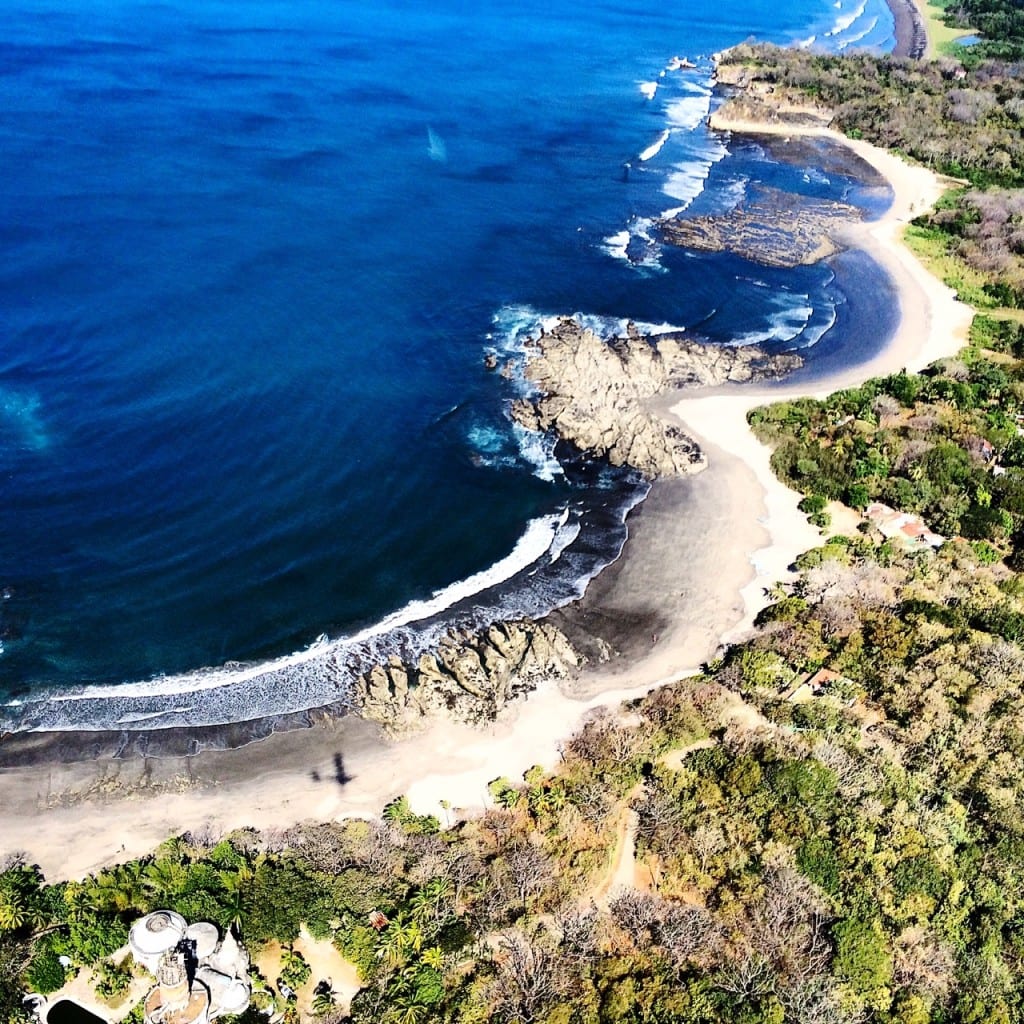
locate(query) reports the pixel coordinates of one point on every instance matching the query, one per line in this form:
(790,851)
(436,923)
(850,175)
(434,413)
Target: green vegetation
(967,124)
(1001,22)
(948,444)
(855,856)
(942,36)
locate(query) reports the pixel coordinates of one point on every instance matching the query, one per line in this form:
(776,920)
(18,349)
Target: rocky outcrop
(777,229)
(595,393)
(754,102)
(470,677)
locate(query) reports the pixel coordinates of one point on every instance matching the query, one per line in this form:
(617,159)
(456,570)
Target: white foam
(131,718)
(653,330)
(485,438)
(617,245)
(649,89)
(655,147)
(535,542)
(860,35)
(843,23)
(812,335)
(609,327)
(636,245)
(784,325)
(687,112)
(686,182)
(539,450)
(516,324)
(565,536)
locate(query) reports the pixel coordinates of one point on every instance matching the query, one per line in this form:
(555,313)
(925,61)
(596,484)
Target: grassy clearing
(930,246)
(941,37)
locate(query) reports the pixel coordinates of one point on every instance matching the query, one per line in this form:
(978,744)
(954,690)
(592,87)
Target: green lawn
(941,37)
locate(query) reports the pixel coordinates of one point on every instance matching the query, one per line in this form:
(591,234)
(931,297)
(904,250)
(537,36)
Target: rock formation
(470,676)
(595,393)
(777,229)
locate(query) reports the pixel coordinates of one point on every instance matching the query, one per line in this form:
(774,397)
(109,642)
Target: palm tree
(163,878)
(122,888)
(37,915)
(81,898)
(411,936)
(175,848)
(390,949)
(427,900)
(12,910)
(507,798)
(434,957)
(398,811)
(323,1000)
(236,885)
(405,1009)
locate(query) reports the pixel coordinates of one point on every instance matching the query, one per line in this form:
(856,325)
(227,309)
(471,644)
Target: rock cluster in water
(773,228)
(596,393)
(470,677)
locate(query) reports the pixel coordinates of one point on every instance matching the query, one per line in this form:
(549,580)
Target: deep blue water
(253,256)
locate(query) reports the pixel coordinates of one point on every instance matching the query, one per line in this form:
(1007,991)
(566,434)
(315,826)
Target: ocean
(254,257)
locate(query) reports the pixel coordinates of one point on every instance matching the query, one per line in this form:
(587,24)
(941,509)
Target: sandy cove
(700,556)
(933,325)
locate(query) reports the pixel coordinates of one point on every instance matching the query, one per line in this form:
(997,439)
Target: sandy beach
(933,325)
(701,553)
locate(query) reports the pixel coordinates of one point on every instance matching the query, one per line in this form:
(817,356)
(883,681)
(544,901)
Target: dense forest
(1000,22)
(964,123)
(844,852)
(947,444)
(826,826)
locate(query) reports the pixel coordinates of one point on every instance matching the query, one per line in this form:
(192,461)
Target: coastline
(74,818)
(910,27)
(933,325)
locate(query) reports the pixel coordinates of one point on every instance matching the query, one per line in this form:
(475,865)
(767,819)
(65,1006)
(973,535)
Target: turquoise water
(253,258)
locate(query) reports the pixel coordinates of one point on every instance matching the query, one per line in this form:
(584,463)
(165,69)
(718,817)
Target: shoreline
(933,325)
(911,29)
(74,818)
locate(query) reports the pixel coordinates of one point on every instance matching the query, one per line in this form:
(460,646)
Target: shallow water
(254,256)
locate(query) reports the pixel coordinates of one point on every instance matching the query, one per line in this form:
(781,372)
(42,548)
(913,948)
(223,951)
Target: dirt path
(327,965)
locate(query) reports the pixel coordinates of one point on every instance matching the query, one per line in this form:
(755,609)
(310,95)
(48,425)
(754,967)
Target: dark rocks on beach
(596,394)
(910,30)
(470,677)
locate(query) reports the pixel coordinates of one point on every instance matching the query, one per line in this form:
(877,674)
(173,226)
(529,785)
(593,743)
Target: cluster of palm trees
(408,949)
(22,904)
(142,886)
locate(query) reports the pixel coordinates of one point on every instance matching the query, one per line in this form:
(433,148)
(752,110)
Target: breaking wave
(550,565)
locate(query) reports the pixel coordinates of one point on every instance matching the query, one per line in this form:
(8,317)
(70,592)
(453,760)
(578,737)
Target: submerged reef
(774,228)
